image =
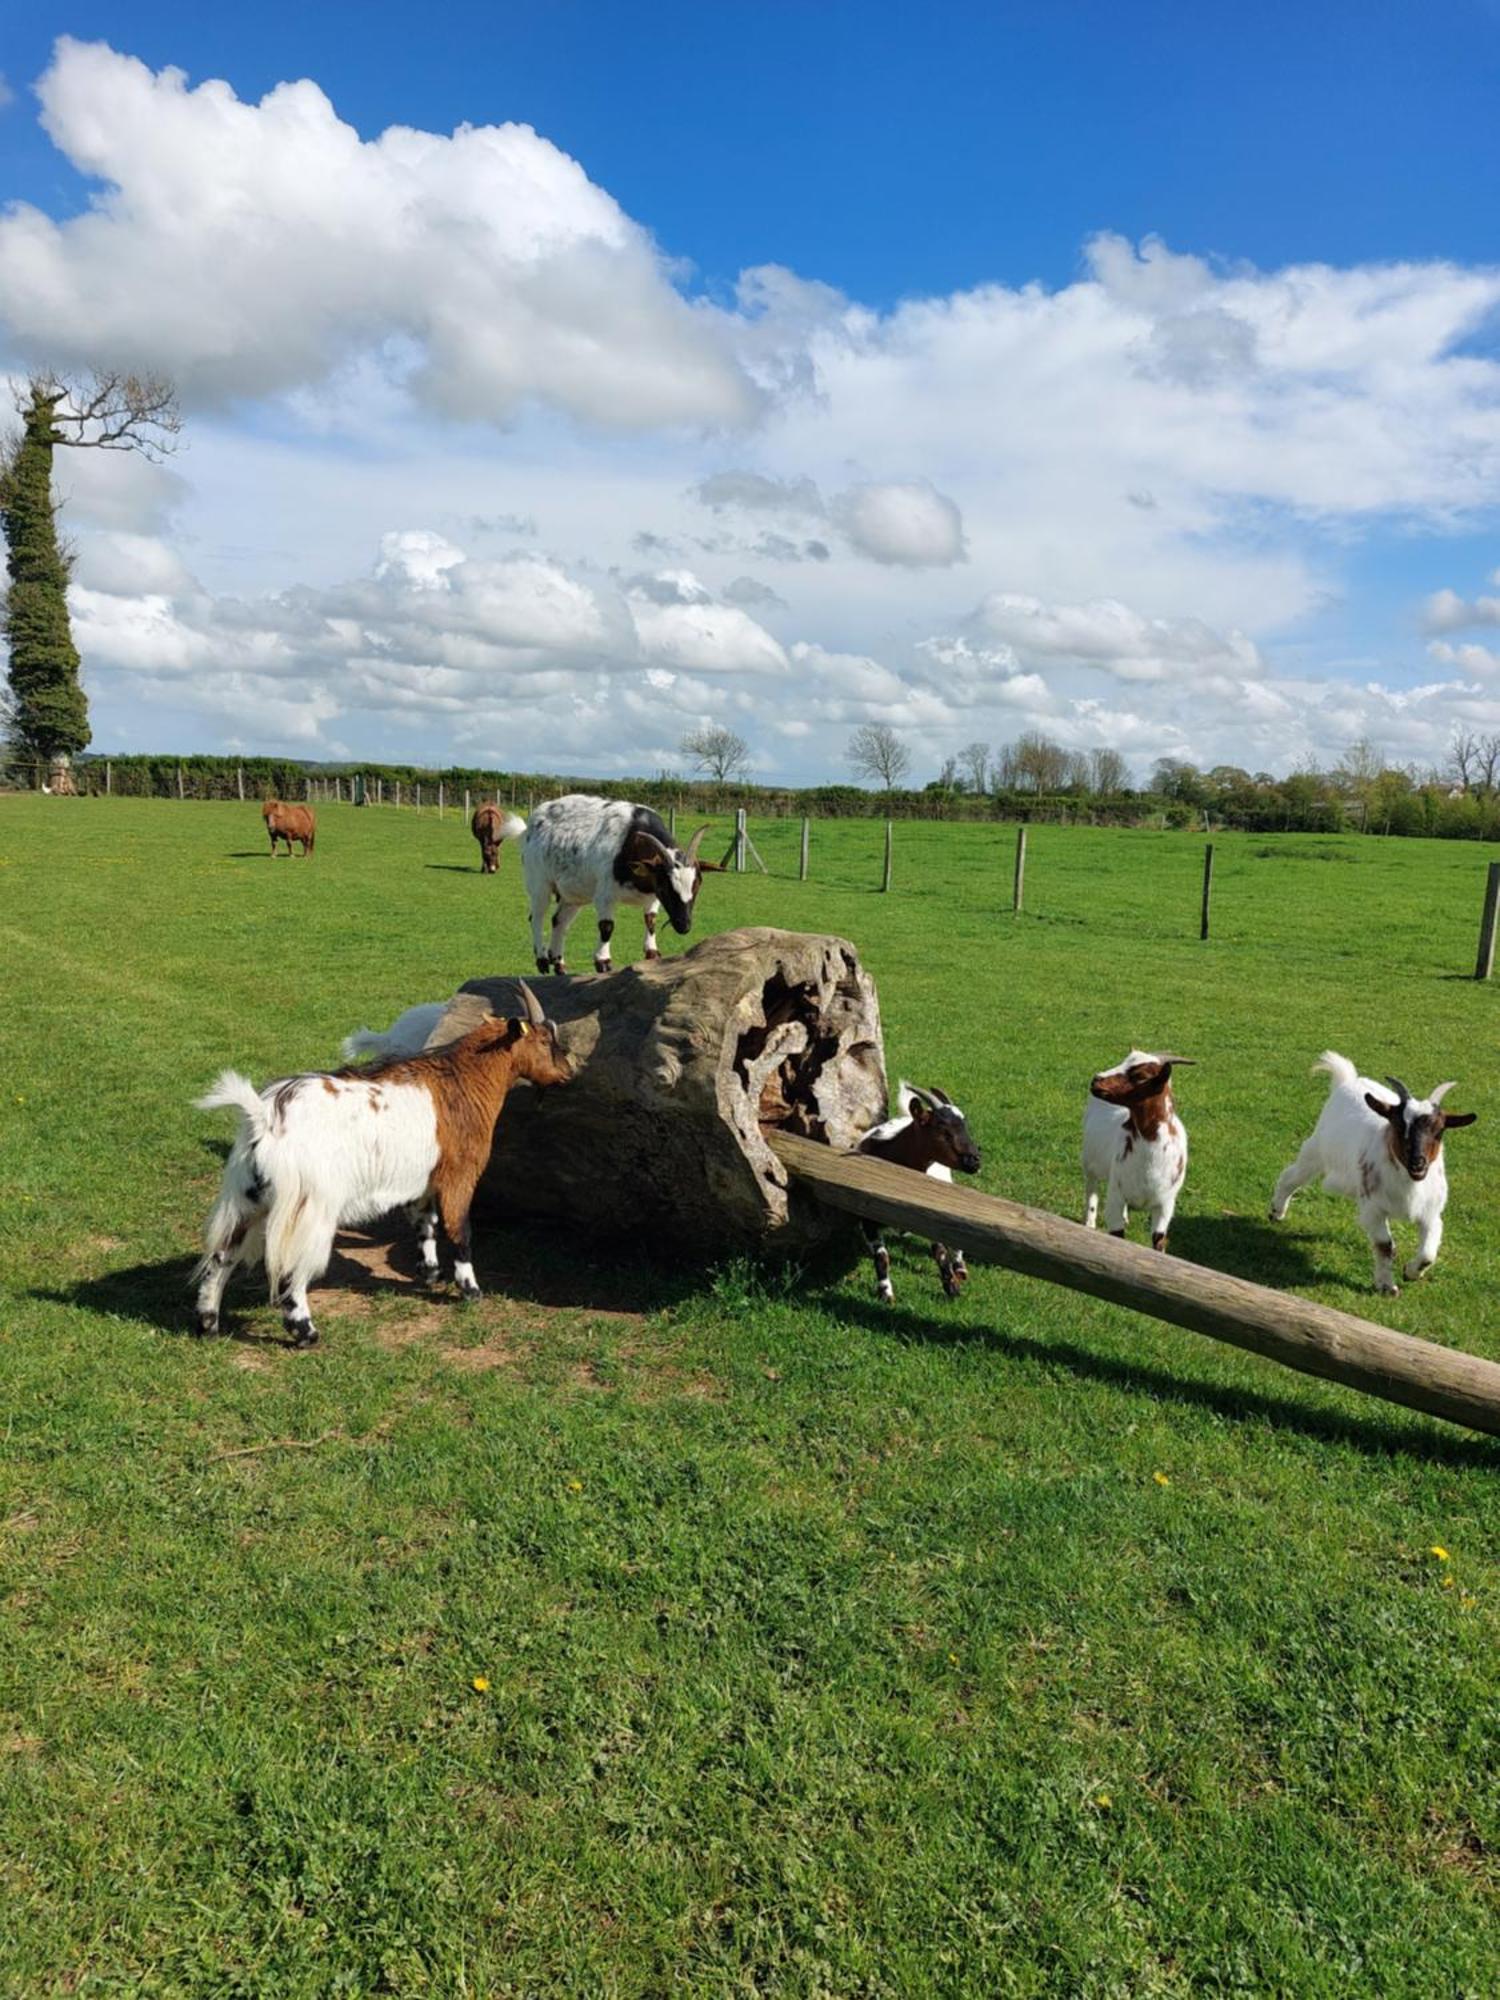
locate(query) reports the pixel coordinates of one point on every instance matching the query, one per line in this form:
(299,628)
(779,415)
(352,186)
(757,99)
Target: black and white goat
(1383,1149)
(1134,1145)
(930,1135)
(314,1153)
(580,850)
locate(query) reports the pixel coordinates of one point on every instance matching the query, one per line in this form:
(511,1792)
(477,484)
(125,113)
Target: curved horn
(533,1006)
(1188,1062)
(1400,1089)
(691,850)
(654,849)
(1436,1096)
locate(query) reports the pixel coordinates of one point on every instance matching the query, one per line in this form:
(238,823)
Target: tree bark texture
(682,1065)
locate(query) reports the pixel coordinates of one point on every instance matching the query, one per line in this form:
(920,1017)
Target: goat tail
(1332,1064)
(512,827)
(238,1092)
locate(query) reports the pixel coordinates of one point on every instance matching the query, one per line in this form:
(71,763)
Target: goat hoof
(303,1332)
(1390,1290)
(208,1324)
(469,1293)
(1415,1271)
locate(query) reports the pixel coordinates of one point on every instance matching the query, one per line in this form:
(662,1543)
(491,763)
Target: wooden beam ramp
(1317,1340)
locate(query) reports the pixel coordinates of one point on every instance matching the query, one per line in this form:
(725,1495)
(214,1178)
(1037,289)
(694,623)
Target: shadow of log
(1372,1435)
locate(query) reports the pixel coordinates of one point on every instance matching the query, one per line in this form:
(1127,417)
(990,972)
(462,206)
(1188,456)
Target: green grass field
(636,1632)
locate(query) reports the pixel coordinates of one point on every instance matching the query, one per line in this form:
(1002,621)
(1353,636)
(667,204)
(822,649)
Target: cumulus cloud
(1110,635)
(485,266)
(911,525)
(1446,611)
(907,523)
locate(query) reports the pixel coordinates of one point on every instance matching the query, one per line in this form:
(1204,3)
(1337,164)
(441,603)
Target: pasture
(640,1630)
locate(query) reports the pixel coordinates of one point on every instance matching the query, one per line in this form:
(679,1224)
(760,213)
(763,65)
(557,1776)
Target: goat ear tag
(524,1026)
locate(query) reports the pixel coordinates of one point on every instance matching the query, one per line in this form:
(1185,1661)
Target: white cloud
(1446,611)
(912,524)
(1469,659)
(1110,635)
(486,266)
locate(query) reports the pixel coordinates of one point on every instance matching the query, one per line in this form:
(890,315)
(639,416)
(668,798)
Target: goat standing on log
(583,850)
(314,1153)
(930,1135)
(488,828)
(289,823)
(1384,1150)
(1134,1145)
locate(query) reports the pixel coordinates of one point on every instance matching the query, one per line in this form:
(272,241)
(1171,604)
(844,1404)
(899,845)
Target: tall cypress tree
(51,710)
(107,412)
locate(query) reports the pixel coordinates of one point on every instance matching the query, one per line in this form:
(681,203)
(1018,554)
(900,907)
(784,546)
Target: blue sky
(1134,369)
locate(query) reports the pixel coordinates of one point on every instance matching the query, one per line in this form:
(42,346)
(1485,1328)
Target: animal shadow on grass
(454,867)
(1371,1434)
(1248,1246)
(532,1266)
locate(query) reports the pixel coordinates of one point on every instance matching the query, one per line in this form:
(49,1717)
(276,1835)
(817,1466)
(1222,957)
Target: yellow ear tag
(524,1026)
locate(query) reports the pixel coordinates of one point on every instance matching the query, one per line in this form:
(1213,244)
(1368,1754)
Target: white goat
(583,850)
(1383,1149)
(1134,1144)
(314,1153)
(406,1036)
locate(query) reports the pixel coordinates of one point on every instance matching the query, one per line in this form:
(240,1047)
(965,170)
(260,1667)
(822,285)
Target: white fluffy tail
(299,1237)
(1331,1063)
(363,1042)
(238,1092)
(512,827)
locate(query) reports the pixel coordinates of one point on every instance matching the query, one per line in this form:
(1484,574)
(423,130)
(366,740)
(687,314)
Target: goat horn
(1188,1062)
(1400,1089)
(691,850)
(1437,1096)
(533,1006)
(659,850)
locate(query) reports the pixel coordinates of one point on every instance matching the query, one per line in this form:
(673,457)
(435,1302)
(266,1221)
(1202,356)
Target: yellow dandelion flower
(1161,1479)
(1466,1602)
(1104,1801)
(1441,1554)
(1448,1582)
(953,1659)
(481,1685)
(575,1485)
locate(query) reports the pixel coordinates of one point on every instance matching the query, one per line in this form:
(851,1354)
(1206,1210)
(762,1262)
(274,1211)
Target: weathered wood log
(1317,1340)
(679,1066)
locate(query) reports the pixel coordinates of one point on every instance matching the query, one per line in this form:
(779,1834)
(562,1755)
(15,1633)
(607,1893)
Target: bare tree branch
(112,411)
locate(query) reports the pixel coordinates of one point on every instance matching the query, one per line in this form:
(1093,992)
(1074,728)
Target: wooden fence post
(672,822)
(739,841)
(180,791)
(440,798)
(802,864)
(1208,886)
(466,802)
(885,880)
(109,778)
(1484,965)
(240,781)
(1020,890)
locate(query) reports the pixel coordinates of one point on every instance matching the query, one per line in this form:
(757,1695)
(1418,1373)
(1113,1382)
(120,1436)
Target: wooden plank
(1315,1339)
(1208,887)
(1020,889)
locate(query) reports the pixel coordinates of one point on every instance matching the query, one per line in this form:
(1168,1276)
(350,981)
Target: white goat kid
(406,1036)
(1383,1149)
(1134,1144)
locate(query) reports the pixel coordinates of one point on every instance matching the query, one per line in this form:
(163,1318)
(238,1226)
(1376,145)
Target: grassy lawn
(640,1632)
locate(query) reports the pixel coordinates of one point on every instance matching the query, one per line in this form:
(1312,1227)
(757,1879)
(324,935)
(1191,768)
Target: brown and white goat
(930,1135)
(1134,1144)
(289,823)
(316,1153)
(488,828)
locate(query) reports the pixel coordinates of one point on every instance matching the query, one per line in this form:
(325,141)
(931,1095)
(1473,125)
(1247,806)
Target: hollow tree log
(679,1065)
